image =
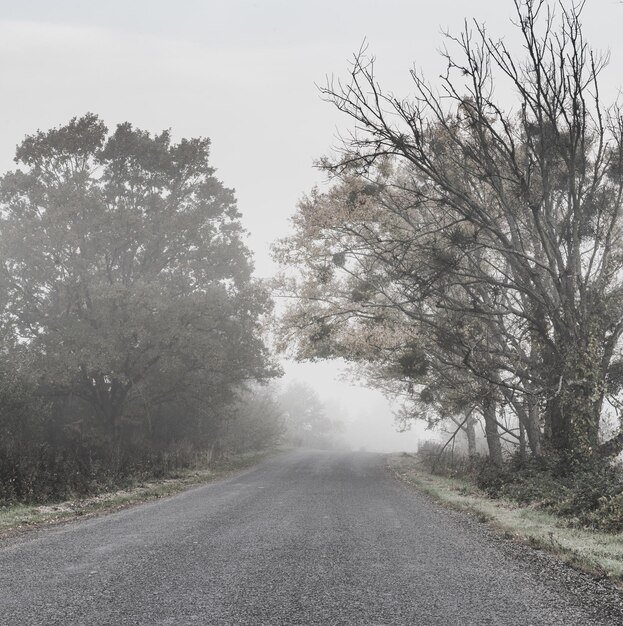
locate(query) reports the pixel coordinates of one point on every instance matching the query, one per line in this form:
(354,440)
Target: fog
(244,74)
(366,414)
(431,190)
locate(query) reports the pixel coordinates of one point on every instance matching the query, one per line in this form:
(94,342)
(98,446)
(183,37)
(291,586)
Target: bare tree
(539,188)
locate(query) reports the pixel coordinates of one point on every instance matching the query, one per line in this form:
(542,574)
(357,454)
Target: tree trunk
(491,431)
(523,453)
(470,433)
(108,399)
(527,412)
(573,412)
(533,428)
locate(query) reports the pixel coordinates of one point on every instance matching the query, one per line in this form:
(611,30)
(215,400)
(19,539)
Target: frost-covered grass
(594,551)
(15,518)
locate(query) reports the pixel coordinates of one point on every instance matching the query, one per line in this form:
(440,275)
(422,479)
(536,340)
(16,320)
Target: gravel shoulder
(593,551)
(538,545)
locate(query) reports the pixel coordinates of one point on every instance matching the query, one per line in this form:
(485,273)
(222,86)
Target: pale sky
(241,72)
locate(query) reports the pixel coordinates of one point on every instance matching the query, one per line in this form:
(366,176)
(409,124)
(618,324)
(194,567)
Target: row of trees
(130,320)
(468,255)
(293,415)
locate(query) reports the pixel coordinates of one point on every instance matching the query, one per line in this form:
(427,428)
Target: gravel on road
(306,537)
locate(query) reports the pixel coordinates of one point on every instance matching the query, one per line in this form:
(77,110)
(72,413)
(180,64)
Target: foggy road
(303,538)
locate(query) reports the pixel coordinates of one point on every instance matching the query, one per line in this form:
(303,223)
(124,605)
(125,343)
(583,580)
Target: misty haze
(311,313)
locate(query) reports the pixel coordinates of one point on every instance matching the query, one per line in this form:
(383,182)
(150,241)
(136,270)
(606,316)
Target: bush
(608,515)
(445,461)
(588,495)
(47,474)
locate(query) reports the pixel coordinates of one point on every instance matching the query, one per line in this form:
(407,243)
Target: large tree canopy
(126,277)
(492,233)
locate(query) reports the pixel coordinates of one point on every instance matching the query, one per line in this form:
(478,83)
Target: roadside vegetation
(467,258)
(21,517)
(558,517)
(132,327)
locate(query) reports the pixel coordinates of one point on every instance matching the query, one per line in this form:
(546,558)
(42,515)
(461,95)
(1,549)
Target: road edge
(494,513)
(19,519)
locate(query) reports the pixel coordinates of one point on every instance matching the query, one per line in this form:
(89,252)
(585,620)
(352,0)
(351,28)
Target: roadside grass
(596,552)
(22,517)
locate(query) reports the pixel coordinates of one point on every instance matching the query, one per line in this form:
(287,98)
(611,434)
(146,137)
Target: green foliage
(125,270)
(52,474)
(413,363)
(489,237)
(255,421)
(130,316)
(607,515)
(427,396)
(588,495)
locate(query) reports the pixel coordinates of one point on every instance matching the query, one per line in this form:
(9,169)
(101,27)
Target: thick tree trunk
(574,422)
(491,431)
(108,400)
(613,447)
(573,412)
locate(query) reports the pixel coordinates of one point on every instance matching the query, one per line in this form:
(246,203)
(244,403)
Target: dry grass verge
(596,552)
(19,518)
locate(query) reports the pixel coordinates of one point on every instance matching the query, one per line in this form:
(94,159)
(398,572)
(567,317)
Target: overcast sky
(241,72)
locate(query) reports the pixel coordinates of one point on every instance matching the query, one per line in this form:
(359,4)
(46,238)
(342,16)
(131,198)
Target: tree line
(467,255)
(131,324)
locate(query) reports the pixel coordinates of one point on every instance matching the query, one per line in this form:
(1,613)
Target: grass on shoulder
(597,552)
(22,517)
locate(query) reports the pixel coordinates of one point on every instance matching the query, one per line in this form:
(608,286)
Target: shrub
(589,495)
(445,461)
(47,474)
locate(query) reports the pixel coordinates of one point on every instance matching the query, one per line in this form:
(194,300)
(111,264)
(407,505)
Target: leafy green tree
(127,279)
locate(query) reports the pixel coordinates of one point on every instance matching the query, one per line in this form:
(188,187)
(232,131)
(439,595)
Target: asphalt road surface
(303,538)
